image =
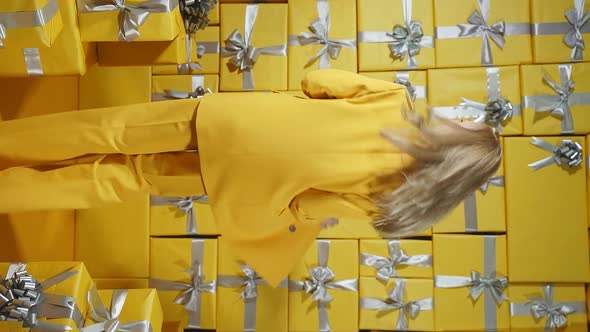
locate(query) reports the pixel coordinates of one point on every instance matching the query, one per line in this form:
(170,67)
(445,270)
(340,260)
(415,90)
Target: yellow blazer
(274,166)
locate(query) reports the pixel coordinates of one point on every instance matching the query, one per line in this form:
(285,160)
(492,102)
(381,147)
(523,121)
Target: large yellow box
(113,240)
(167,87)
(381,305)
(474,48)
(545,214)
(268,35)
(377,21)
(415,81)
(30,23)
(121,283)
(332,259)
(178,261)
(550,26)
(306,52)
(241,307)
(466,92)
(384,259)
(458,259)
(544,108)
(557,296)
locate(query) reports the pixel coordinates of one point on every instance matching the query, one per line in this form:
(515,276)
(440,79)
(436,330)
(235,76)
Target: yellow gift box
(67,279)
(97,89)
(66,56)
(113,240)
(184,272)
(546,211)
(30,23)
(134,20)
(551,28)
(167,87)
(556,99)
(588,181)
(482,211)
(463,302)
(245,302)
(330,266)
(384,259)
(379,20)
(546,300)
(129,307)
(265,69)
(121,283)
(181,216)
(466,93)
(497,32)
(310,21)
(382,306)
(415,82)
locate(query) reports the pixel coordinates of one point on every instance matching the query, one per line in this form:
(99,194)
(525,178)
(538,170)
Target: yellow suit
(273,165)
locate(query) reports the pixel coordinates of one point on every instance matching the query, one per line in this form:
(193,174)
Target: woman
(276,168)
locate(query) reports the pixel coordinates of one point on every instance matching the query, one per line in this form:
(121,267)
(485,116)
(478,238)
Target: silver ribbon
(395,301)
(202,49)
(243,54)
(131,17)
(404,40)
(478,26)
(320,280)
(470,203)
(415,91)
(544,307)
(489,284)
(387,267)
(32,59)
(185,205)
(249,283)
(27,19)
(568,154)
(190,297)
(320,30)
(108,321)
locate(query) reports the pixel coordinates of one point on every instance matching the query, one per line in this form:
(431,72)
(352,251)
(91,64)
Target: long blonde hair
(452,162)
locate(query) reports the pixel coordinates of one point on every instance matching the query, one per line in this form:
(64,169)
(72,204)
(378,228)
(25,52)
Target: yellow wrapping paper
(386,320)
(270,309)
(113,240)
(76,286)
(588,302)
(459,255)
(139,305)
(380,16)
(418,82)
(483,211)
(97,89)
(537,93)
(297,94)
(214,15)
(342,312)
(588,179)
(37,236)
(342,31)
(548,44)
(545,215)
(567,294)
(419,251)
(27,31)
(184,84)
(170,259)
(467,51)
(447,87)
(270,29)
(104,26)
(66,56)
(121,283)
(169,220)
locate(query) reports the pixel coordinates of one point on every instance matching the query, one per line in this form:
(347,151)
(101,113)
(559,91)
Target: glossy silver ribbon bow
(560,104)
(108,321)
(567,154)
(395,301)
(574,39)
(478,26)
(131,17)
(408,38)
(492,113)
(184,204)
(478,284)
(2,34)
(496,181)
(387,267)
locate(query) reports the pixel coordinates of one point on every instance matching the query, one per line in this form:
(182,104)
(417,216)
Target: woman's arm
(333,83)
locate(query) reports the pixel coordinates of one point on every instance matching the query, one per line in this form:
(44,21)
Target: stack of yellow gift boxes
(514,255)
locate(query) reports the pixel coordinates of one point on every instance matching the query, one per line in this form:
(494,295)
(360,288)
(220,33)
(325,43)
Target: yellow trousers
(84,159)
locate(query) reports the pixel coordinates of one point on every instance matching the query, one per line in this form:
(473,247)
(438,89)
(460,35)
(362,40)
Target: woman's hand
(330,222)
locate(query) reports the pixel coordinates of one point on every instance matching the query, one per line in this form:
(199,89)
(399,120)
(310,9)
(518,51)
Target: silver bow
(491,284)
(574,39)
(478,26)
(496,181)
(387,267)
(395,301)
(184,204)
(559,105)
(407,39)
(108,321)
(568,154)
(492,113)
(131,17)
(2,34)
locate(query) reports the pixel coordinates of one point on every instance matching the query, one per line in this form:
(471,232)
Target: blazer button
(292,228)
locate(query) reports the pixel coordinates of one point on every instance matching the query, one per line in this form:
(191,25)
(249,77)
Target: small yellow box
(396,258)
(121,283)
(31,23)
(415,81)
(167,87)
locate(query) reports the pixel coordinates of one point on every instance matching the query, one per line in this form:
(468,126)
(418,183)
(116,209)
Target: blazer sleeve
(339,84)
(317,206)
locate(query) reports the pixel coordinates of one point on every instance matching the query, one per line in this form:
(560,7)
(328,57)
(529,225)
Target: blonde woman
(276,168)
